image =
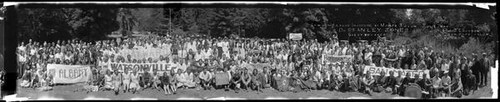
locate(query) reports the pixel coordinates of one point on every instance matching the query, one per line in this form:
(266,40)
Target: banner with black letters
(375,71)
(67,74)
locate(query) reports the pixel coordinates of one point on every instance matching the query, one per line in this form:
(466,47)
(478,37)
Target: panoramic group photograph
(241,51)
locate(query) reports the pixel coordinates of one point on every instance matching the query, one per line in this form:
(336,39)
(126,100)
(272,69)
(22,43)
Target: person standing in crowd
(484,70)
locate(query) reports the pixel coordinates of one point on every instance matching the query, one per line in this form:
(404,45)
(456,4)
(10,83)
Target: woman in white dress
(134,85)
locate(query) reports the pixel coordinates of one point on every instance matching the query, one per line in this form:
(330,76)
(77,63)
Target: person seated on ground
(156,80)
(282,81)
(367,81)
(116,81)
(44,81)
(255,83)
(317,78)
(326,74)
(390,83)
(126,80)
(145,80)
(405,83)
(337,80)
(424,83)
(266,78)
(108,84)
(101,78)
(196,80)
(212,79)
(296,82)
(35,80)
(134,84)
(165,83)
(456,86)
(26,79)
(381,82)
(446,82)
(236,81)
(181,76)
(205,78)
(172,82)
(398,82)
(246,79)
(190,81)
(308,81)
(436,85)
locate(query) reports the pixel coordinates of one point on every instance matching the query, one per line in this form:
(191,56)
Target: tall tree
(127,20)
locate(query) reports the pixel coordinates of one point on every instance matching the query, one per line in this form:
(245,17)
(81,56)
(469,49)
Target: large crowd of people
(293,65)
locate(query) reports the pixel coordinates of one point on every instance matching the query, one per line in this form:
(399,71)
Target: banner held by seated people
(375,71)
(67,74)
(141,67)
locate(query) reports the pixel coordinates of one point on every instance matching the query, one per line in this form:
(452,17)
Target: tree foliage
(50,24)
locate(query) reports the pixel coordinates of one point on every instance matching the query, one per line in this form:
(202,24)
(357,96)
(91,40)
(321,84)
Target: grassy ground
(67,92)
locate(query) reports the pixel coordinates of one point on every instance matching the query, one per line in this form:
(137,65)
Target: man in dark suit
(476,69)
(485,70)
